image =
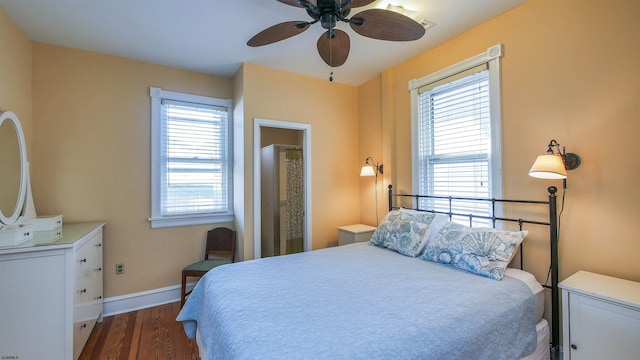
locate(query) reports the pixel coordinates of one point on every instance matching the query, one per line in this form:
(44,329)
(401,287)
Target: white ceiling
(210,36)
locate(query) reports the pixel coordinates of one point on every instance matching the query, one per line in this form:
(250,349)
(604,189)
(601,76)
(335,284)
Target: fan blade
(277,32)
(360,3)
(387,25)
(334,51)
(296,3)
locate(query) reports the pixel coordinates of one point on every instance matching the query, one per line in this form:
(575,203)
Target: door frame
(258,124)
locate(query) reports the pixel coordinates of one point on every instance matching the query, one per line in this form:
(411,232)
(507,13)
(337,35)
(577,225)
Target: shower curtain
(295,201)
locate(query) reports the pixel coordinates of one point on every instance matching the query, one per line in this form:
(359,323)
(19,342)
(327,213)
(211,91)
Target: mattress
(534,285)
(335,293)
(542,326)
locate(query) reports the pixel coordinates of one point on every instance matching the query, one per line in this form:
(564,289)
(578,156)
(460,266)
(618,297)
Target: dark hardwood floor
(151,333)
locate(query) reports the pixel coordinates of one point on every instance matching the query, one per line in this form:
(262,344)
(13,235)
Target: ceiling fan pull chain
(331,47)
(331,51)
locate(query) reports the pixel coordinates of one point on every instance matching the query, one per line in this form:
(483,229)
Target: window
(191,173)
(456,136)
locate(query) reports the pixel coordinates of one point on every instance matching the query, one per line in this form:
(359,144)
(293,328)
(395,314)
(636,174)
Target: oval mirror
(13,168)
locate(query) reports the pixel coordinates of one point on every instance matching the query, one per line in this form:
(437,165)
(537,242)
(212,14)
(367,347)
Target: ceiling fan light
(426,23)
(401,10)
(414,15)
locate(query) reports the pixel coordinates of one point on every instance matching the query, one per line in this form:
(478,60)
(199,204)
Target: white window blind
(455,142)
(191,174)
(194,161)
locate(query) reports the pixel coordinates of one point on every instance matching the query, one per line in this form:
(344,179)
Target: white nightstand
(354,233)
(600,317)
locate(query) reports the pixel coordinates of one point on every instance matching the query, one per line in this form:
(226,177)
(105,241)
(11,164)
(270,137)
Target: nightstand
(600,317)
(354,233)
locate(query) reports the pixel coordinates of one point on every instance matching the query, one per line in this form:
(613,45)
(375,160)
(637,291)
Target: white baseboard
(142,300)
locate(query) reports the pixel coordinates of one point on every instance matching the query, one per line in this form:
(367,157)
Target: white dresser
(601,317)
(51,294)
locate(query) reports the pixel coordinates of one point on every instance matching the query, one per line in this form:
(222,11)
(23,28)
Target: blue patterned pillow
(403,231)
(482,251)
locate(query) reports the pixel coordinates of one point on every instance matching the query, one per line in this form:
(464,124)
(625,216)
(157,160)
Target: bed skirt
(540,353)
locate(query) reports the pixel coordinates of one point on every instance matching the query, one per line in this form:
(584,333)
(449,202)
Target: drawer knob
(83,326)
(82,291)
(574,346)
(98,297)
(83,260)
(99,269)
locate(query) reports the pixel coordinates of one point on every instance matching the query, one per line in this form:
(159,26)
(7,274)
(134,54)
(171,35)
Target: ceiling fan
(334,44)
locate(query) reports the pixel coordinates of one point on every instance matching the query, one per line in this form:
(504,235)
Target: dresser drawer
(87,290)
(16,236)
(88,267)
(88,257)
(88,306)
(81,331)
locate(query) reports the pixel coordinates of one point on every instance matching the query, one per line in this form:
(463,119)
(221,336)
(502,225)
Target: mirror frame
(12,218)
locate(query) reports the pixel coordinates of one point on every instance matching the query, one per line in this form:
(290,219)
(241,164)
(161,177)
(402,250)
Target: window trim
(158,220)
(491,57)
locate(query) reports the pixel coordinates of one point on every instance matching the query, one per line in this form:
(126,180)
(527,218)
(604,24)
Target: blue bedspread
(358,302)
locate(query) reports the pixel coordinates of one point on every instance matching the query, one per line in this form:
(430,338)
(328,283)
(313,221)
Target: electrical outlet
(119,269)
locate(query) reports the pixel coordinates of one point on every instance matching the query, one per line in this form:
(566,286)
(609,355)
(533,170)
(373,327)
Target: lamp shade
(548,167)
(367,170)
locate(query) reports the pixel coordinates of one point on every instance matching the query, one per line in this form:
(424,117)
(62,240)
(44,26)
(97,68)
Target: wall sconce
(371,168)
(554,164)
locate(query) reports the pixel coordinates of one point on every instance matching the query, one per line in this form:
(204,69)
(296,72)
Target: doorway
(282,197)
(282,223)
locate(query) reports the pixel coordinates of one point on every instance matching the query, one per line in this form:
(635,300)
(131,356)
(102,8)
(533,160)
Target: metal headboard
(553,238)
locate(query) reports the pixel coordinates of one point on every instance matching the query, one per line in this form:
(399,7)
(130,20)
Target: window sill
(174,221)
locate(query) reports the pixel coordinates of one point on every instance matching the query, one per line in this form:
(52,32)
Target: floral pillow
(403,231)
(482,251)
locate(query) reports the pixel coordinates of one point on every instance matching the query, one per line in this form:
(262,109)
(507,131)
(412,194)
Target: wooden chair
(220,250)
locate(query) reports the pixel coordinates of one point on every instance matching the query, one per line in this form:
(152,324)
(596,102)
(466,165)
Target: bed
(376,301)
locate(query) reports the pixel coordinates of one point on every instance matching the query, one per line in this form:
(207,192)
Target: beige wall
(15,96)
(370,129)
(91,158)
(331,109)
(15,74)
(570,73)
